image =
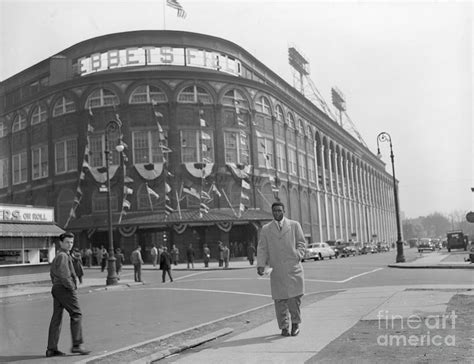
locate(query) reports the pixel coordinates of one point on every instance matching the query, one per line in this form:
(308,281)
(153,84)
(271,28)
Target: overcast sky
(404,68)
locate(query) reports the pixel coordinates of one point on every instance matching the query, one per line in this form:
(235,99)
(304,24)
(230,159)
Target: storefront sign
(11,213)
(161,56)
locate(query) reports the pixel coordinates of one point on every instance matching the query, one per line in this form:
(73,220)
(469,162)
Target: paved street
(124,316)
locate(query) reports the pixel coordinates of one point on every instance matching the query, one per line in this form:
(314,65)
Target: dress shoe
(80,350)
(285,332)
(295,330)
(50,353)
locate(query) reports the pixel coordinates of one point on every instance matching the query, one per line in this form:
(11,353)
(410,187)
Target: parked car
(342,248)
(425,244)
(319,251)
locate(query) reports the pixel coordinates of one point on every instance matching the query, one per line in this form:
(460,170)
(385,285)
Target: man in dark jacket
(64,293)
(165,264)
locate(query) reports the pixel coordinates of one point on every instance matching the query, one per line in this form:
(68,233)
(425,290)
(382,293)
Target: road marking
(208,290)
(345,280)
(189,275)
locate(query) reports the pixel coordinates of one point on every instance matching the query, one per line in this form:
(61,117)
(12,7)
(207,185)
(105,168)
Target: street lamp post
(385,137)
(113,125)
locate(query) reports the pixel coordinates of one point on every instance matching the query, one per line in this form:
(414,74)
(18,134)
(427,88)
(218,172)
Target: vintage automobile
(425,244)
(341,248)
(319,251)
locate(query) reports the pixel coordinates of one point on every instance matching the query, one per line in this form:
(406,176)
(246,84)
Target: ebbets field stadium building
(211,138)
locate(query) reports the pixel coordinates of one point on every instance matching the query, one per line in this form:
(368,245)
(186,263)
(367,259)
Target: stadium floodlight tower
(300,64)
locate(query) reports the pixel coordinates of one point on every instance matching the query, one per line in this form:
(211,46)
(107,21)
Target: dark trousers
(137,270)
(164,275)
(64,299)
(286,308)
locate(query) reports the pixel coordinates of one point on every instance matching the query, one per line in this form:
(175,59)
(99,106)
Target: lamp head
(119,148)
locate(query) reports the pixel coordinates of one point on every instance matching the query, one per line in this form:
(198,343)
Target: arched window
(64,105)
(39,114)
(3,128)
(279,114)
(291,120)
(19,123)
(300,127)
(144,199)
(145,94)
(194,94)
(235,98)
(263,105)
(101,97)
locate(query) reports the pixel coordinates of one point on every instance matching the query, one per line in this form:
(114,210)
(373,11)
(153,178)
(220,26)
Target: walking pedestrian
(251,253)
(282,246)
(207,255)
(165,264)
(190,255)
(64,292)
(154,255)
(105,258)
(175,255)
(226,255)
(88,257)
(137,261)
(221,254)
(119,260)
(77,263)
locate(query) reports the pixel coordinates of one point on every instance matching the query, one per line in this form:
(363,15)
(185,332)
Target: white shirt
(279,224)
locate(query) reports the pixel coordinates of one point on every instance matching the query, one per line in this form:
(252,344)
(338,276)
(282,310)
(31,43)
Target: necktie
(279,225)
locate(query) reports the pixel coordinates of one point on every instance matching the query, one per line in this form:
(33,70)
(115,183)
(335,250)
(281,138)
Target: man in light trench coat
(282,246)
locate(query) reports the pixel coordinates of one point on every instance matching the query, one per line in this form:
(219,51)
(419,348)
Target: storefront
(27,236)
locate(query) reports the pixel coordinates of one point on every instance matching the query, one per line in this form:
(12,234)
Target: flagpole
(179,205)
(230,205)
(149,197)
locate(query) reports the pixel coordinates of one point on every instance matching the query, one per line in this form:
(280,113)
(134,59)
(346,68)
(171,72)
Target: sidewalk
(323,322)
(437,260)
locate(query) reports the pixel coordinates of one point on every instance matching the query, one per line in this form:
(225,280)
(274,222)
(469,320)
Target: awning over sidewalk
(159,218)
(29,230)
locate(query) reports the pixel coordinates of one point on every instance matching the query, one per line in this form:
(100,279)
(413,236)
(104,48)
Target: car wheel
(321,257)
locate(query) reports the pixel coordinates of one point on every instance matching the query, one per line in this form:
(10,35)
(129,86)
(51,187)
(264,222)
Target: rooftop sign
(158,56)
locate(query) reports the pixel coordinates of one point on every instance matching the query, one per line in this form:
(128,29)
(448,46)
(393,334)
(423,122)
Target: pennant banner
(180,228)
(239,172)
(127,231)
(225,226)
(198,172)
(100,173)
(149,171)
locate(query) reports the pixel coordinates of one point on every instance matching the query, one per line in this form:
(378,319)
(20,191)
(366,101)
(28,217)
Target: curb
(444,266)
(186,345)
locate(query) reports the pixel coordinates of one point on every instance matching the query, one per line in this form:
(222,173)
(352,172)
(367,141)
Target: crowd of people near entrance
(162,258)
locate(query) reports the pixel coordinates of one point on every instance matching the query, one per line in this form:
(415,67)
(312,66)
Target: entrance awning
(30,230)
(158,218)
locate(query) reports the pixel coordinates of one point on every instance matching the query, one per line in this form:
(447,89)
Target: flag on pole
(242,207)
(203,208)
(215,190)
(203,122)
(85,164)
(204,135)
(258,134)
(191,191)
(168,210)
(151,192)
(176,5)
(245,185)
(127,190)
(179,205)
(126,204)
(205,195)
(244,196)
(158,114)
(167,188)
